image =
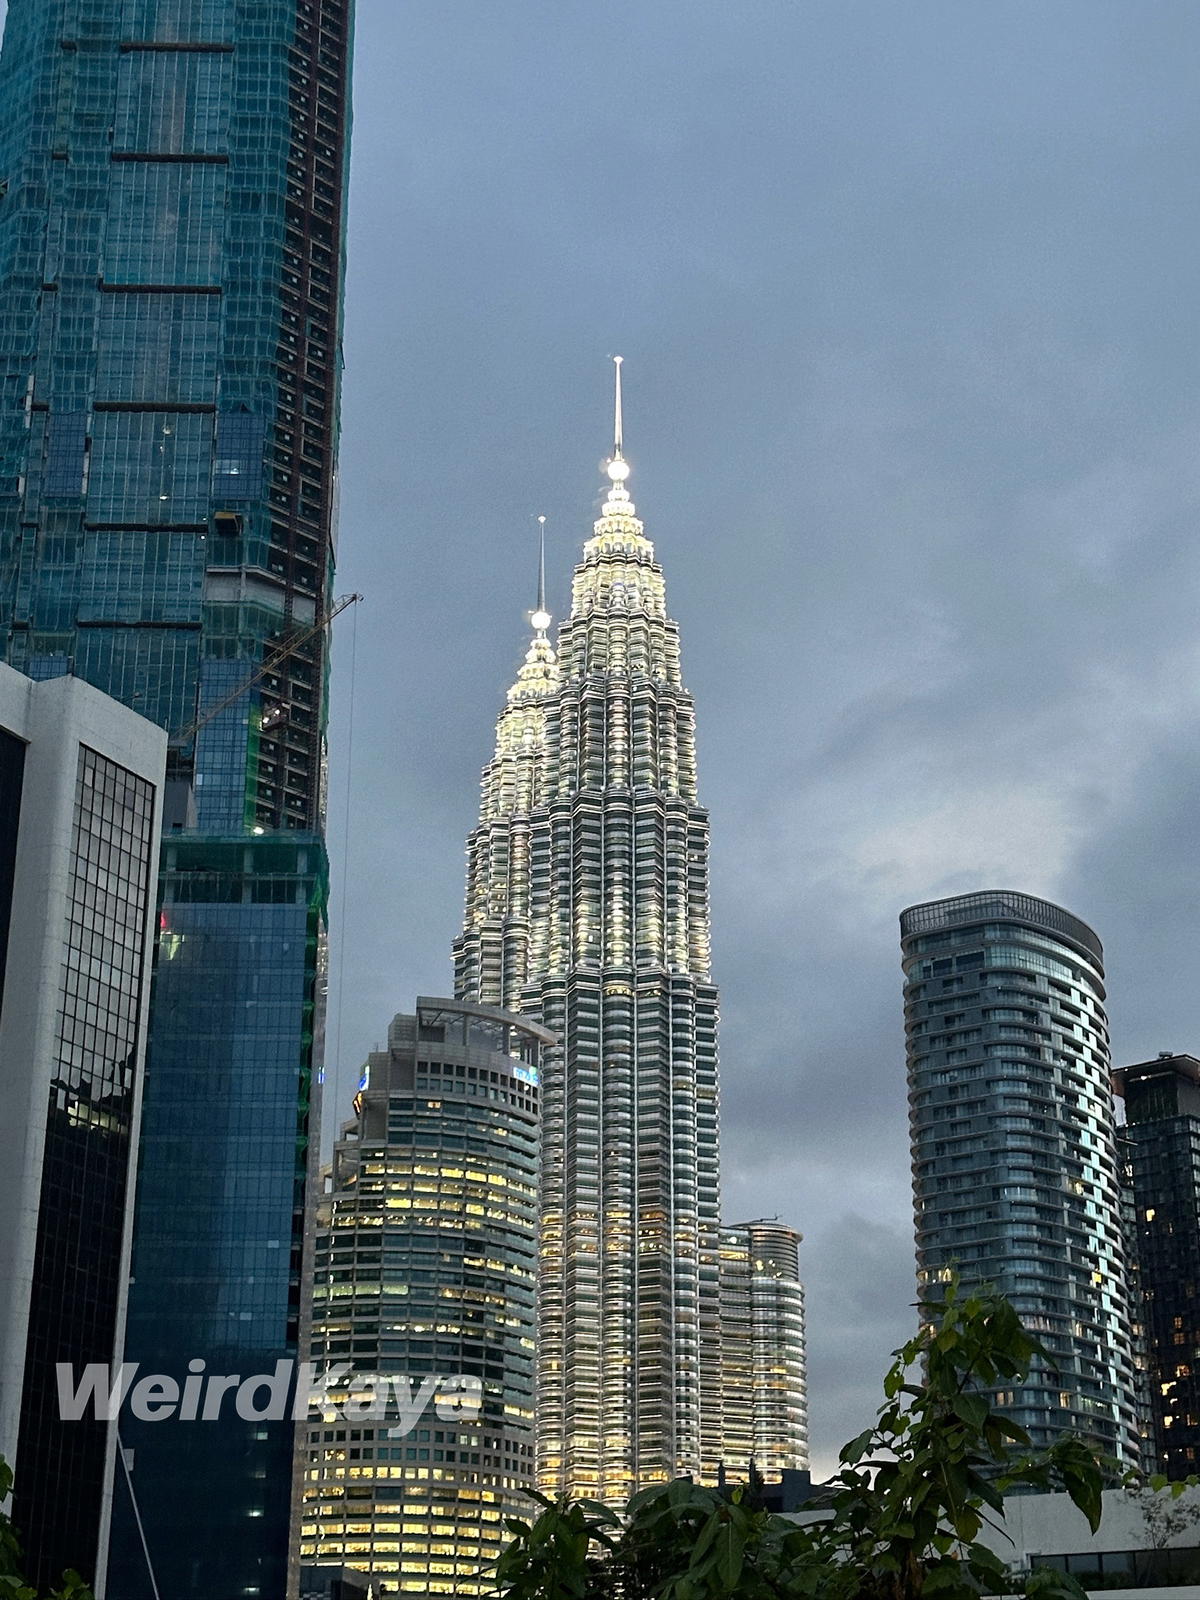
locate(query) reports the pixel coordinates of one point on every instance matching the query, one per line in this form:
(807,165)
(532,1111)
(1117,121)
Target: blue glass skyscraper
(172,183)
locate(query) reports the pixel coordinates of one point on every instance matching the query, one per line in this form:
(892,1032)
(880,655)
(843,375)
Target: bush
(904,1513)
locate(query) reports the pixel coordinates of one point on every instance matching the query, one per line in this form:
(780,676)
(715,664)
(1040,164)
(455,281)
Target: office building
(491,956)
(80,790)
(587,909)
(763,1351)
(426,1270)
(333,1583)
(1162,1115)
(1015,1174)
(172,181)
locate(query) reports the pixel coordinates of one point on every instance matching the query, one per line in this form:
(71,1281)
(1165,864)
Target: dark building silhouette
(1162,1113)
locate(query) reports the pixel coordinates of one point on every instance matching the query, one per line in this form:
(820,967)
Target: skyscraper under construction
(172,188)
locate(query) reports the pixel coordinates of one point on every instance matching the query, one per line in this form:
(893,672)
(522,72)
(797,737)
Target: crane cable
(137,1517)
(276,658)
(346,816)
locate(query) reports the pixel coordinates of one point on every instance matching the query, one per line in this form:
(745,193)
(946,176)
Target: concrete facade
(1049,1525)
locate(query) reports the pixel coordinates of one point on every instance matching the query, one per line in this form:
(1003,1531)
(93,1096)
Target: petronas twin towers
(587,908)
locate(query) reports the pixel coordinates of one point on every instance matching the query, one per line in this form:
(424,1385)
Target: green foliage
(902,1518)
(1166,1516)
(915,1490)
(554,1556)
(12,1584)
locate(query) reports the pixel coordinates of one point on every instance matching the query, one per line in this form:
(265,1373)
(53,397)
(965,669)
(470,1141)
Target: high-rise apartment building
(763,1350)
(1162,1114)
(80,793)
(587,908)
(425,1270)
(172,182)
(1015,1175)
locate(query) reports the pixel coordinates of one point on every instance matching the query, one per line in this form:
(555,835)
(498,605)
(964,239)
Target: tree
(1165,1512)
(1168,1512)
(12,1584)
(904,1514)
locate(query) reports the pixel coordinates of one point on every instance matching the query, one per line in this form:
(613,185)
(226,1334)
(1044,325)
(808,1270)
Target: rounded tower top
(998,906)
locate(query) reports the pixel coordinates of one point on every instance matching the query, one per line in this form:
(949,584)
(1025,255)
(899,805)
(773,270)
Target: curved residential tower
(587,907)
(1015,1174)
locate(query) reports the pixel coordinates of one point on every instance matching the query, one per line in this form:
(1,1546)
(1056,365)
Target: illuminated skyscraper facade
(587,907)
(425,1270)
(172,183)
(763,1350)
(1016,1180)
(491,957)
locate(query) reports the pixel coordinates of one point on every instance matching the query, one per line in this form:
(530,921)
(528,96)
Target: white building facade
(80,798)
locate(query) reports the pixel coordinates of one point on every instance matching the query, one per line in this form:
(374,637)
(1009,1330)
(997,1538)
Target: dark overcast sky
(907,296)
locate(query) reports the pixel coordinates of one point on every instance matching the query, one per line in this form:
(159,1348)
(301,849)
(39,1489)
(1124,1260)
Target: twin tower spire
(617,503)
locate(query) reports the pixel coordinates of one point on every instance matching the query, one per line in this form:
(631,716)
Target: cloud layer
(906,300)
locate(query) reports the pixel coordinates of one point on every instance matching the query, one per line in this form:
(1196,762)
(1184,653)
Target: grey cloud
(911,412)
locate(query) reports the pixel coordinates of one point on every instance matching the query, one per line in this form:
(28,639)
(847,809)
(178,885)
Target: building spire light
(617,502)
(617,467)
(617,360)
(539,616)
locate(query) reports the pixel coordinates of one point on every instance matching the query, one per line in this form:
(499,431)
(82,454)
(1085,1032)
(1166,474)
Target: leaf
(730,1557)
(600,1511)
(1006,1425)
(944,1577)
(853,1452)
(1043,1583)
(1085,1489)
(708,1536)
(971,1408)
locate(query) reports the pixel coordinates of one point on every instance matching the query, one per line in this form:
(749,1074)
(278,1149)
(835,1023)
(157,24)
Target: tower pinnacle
(618,502)
(617,467)
(617,360)
(539,616)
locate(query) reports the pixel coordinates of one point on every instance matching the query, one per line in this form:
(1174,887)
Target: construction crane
(276,659)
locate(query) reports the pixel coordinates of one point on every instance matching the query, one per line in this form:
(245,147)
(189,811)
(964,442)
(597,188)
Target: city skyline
(953,356)
(905,302)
